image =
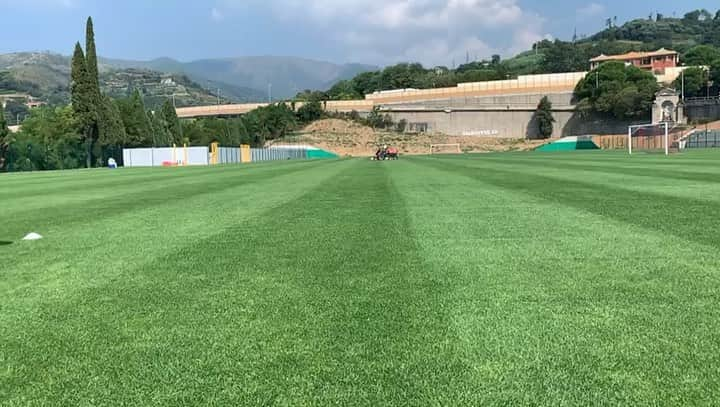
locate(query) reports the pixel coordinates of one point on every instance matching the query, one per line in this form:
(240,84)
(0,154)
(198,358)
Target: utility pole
(269,92)
(707,84)
(682,81)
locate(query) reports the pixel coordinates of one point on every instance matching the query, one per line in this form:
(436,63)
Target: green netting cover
(570,144)
(320,154)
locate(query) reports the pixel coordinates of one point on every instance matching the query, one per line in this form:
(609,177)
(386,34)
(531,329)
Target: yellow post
(174,154)
(214,152)
(186,154)
(245,154)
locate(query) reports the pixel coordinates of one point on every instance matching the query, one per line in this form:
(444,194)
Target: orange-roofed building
(655,61)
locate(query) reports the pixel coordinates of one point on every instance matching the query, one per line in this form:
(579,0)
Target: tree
(344,90)
(701,55)
(4,139)
(715,72)
(15,110)
(171,122)
(310,111)
(50,140)
(692,16)
(618,90)
(85,91)
(544,118)
(112,134)
(83,100)
(91,62)
(695,81)
(161,136)
(563,56)
(137,125)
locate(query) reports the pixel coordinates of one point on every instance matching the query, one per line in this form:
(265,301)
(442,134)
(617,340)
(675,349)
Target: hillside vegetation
(248,78)
(696,28)
(46,76)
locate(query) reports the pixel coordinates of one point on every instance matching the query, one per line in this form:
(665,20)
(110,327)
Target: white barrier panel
(156,157)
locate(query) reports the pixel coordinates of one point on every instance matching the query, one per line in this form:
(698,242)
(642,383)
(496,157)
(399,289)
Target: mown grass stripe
(73,207)
(691,219)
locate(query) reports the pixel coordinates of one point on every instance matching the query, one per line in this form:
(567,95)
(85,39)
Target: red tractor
(386,153)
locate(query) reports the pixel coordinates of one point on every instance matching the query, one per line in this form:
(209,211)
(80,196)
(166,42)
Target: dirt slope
(350,138)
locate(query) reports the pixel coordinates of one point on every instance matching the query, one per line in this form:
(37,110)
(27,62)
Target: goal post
(646,136)
(445,149)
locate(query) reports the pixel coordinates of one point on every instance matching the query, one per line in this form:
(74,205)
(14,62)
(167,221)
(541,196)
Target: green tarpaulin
(570,144)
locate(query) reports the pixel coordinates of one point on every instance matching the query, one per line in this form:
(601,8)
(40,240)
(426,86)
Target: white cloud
(591,10)
(429,31)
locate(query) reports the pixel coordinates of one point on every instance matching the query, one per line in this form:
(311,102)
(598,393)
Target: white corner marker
(32,236)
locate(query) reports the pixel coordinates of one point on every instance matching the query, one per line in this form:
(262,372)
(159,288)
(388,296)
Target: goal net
(445,149)
(653,137)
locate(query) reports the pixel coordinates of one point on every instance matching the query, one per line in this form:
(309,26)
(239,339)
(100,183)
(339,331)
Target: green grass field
(505,279)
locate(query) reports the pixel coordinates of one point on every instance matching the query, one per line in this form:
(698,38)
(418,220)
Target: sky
(380,32)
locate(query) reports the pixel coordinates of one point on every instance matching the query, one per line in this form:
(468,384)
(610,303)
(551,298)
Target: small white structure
(32,236)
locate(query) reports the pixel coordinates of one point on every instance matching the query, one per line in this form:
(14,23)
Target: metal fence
(705,139)
(278,154)
(229,155)
(233,155)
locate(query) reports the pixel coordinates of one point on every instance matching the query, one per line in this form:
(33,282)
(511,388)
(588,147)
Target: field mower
(386,153)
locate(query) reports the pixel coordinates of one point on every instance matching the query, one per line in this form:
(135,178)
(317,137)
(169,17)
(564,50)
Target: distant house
(34,103)
(655,61)
(167,82)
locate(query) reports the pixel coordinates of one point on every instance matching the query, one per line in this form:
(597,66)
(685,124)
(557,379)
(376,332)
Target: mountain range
(283,77)
(243,79)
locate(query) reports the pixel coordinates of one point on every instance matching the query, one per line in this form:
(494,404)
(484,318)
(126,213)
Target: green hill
(46,76)
(696,28)
(247,78)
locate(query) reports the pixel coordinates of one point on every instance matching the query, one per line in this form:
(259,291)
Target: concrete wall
(550,83)
(508,123)
(559,100)
(506,116)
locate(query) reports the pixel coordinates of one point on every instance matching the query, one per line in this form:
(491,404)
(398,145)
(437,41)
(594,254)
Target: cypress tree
(112,129)
(91,65)
(159,129)
(83,100)
(171,121)
(4,138)
(544,118)
(91,58)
